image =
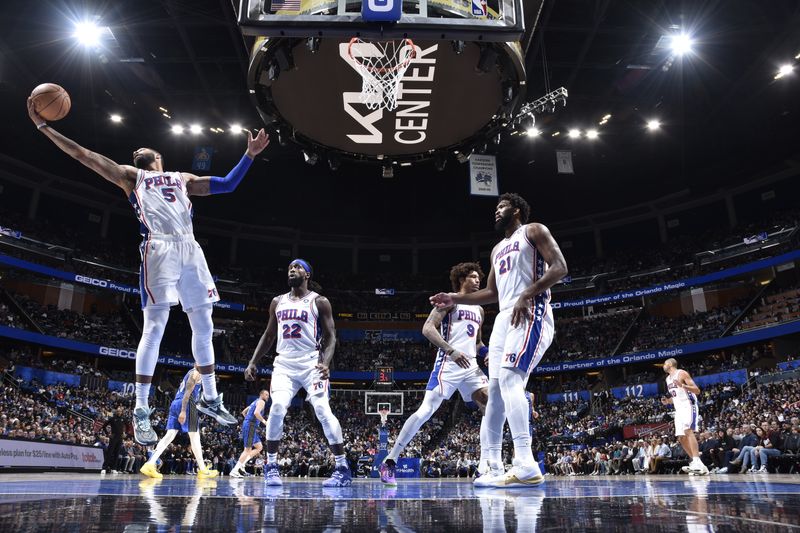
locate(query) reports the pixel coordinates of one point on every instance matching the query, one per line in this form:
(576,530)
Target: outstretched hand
(442,300)
(256,145)
(250,372)
(35,117)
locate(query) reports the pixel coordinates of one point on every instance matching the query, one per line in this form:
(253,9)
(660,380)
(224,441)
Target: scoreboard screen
(384,377)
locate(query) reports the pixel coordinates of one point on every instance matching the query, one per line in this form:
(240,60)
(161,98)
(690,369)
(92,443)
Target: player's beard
(504,222)
(143,161)
(294,282)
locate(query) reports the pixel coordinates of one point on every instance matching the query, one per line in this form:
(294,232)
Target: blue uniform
(250,425)
(192,419)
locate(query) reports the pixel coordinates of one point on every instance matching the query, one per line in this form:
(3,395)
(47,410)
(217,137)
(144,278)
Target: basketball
(51,101)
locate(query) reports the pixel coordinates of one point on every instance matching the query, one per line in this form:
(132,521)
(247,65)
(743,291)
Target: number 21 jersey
(517,264)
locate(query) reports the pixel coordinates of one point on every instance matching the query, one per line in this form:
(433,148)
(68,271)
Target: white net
(382,65)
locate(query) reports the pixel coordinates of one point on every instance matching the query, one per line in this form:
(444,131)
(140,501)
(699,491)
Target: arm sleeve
(229,183)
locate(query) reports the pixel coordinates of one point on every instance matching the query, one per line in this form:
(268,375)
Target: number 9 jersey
(298,333)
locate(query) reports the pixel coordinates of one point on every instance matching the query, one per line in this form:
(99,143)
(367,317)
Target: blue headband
(303,263)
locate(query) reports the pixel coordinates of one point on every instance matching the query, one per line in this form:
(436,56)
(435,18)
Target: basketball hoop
(384,413)
(382,65)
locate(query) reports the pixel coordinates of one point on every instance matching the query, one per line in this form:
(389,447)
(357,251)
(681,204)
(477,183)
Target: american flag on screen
(285,5)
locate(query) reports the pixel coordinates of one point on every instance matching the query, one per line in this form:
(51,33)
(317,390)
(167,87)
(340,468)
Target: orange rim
(382,70)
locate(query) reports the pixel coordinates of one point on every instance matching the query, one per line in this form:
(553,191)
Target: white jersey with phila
(162,203)
(460,327)
(681,398)
(517,265)
(298,333)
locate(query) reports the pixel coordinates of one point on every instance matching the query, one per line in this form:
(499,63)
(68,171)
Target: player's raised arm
(207,185)
(431,331)
(486,295)
(540,236)
(123,176)
(328,336)
(264,344)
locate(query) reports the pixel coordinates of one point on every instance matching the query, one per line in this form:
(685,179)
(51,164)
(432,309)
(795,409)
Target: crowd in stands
(86,254)
(595,335)
(781,307)
(97,328)
(660,331)
(449,445)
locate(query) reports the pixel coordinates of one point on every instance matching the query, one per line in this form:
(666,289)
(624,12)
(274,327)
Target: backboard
(473,20)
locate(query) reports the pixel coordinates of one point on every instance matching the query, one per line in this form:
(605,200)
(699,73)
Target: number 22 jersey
(298,331)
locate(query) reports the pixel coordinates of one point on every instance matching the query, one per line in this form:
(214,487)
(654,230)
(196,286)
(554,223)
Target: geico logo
(91,281)
(117,352)
(380,5)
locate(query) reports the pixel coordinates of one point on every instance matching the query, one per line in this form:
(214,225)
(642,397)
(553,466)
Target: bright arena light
(653,125)
(591,134)
(574,134)
(783,71)
(88,33)
(533,132)
(196,128)
(176,129)
(681,44)
(236,129)
(115,118)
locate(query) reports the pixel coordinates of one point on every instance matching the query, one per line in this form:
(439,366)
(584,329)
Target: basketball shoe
(387,470)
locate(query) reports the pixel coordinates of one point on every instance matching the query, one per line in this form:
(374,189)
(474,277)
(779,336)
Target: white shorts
(686,418)
(447,377)
(520,347)
(174,270)
(298,372)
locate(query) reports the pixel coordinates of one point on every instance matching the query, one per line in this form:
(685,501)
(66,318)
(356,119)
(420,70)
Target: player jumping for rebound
(525,264)
(253,415)
(683,396)
(303,361)
(173,266)
(183,416)
(456,366)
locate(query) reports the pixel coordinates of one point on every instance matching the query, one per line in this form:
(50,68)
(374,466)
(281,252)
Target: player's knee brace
(330,424)
(155,322)
(202,333)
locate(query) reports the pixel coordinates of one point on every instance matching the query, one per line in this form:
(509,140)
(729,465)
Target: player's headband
(303,263)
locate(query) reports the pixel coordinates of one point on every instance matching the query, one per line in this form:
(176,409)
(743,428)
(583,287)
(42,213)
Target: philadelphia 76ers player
(525,264)
(302,321)
(456,331)
(173,267)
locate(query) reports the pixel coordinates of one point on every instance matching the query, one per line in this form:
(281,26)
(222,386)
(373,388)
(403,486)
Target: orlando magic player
(525,264)
(173,267)
(683,393)
(456,331)
(183,416)
(297,319)
(253,415)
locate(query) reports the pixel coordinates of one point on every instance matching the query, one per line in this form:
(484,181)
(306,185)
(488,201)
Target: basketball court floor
(82,502)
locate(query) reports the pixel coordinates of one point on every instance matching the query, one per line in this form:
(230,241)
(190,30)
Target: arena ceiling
(724,116)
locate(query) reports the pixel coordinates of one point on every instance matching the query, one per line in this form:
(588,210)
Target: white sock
(142,394)
(512,385)
(272,458)
(237,467)
(209,386)
(340,460)
(492,426)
